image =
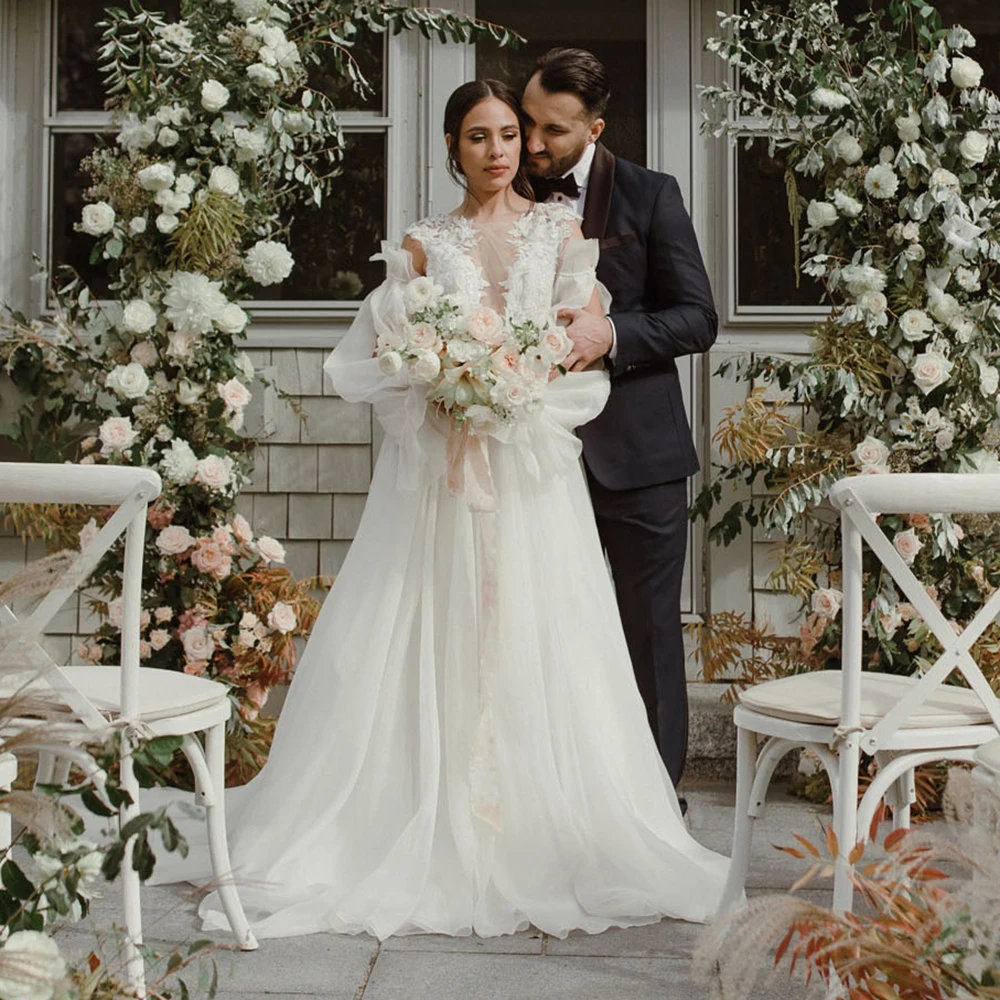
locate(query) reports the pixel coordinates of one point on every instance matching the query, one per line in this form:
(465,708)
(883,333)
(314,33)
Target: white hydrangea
(881,181)
(224,180)
(847,205)
(185,184)
(167,222)
(250,143)
(178,463)
(97,219)
(177,35)
(829,100)
(135,133)
(263,75)
(156,177)
(268,262)
(193,302)
(128,381)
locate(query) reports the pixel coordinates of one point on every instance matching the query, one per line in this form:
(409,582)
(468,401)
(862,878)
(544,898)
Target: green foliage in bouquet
(887,118)
(222,137)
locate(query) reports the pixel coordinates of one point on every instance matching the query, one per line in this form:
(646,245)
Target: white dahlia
(193,302)
(269,262)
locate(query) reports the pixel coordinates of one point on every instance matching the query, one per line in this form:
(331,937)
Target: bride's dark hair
(461,102)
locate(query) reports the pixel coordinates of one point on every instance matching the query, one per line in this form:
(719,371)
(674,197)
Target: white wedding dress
(463,748)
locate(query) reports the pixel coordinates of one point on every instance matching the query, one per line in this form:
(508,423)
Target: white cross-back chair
(903,721)
(143,701)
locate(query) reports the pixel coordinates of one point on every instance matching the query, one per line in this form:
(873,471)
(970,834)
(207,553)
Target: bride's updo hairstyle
(461,102)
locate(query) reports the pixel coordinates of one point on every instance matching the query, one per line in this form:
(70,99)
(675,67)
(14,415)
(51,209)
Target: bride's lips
(497,170)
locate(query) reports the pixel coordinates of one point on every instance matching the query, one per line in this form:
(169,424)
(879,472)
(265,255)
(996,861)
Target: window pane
(765,246)
(78,82)
(65,206)
(331,244)
(619,41)
(369,53)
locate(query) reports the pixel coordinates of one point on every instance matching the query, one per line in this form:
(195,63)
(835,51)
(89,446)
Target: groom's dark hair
(575,71)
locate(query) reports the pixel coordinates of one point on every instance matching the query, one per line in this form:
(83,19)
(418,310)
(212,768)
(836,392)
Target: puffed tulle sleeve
(354,371)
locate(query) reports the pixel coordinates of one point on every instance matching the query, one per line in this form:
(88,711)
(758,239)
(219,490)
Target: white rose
(943,306)
(270,550)
(260,74)
(185,184)
(137,226)
(166,223)
(269,262)
(871,451)
(233,393)
(214,96)
(224,180)
(139,316)
(881,181)
(188,392)
(965,72)
(510,393)
(874,302)
(908,127)
(944,438)
(232,319)
(34,969)
(845,147)
(821,214)
(826,601)
(171,202)
(167,137)
(390,363)
(174,539)
(425,366)
(907,545)
(555,345)
(250,144)
(129,381)
(915,325)
(989,380)
(282,618)
(974,147)
(97,219)
(847,205)
(930,370)
(214,471)
(965,330)
(158,638)
(198,644)
(116,434)
(156,177)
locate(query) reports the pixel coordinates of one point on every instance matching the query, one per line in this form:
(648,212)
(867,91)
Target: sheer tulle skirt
(370,814)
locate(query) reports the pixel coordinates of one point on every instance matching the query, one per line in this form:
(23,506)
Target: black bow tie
(545,187)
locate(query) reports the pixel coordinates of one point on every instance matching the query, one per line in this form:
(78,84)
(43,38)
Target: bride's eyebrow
(485,128)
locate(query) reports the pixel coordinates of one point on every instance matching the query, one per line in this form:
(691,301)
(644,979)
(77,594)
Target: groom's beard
(546,166)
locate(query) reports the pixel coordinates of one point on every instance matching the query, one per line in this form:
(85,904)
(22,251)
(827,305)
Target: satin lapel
(597,205)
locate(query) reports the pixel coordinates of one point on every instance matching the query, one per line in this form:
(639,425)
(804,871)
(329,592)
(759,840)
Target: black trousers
(644,533)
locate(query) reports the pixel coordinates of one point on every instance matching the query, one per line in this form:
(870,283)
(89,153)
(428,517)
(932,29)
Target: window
(762,255)
(619,42)
(331,244)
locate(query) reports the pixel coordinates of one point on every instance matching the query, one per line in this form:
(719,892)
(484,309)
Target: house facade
(312,476)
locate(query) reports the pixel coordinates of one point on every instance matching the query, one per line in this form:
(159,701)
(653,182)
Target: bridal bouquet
(483,370)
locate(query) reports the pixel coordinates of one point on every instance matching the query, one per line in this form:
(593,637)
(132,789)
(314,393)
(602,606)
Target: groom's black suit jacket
(662,309)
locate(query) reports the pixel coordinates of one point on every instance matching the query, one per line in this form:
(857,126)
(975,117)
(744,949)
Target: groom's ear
(596,128)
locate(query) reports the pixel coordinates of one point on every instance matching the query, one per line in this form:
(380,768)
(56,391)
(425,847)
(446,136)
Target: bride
(463,748)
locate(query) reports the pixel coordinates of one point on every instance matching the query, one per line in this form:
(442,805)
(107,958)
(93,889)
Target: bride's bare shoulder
(417,255)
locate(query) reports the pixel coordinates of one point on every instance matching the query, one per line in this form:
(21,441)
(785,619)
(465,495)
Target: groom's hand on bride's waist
(592,338)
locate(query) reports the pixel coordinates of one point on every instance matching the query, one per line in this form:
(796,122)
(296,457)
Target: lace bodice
(511,268)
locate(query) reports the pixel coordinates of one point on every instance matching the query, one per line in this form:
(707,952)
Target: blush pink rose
(270,550)
(907,545)
(282,618)
(242,529)
(158,638)
(198,644)
(211,559)
(174,539)
(486,326)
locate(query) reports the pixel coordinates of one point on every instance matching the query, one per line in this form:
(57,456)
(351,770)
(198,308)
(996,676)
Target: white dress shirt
(581,174)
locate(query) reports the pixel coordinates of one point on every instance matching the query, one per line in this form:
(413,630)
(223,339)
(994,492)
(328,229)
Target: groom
(638,452)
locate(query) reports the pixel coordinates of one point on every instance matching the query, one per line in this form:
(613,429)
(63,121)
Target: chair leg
(60,773)
(906,795)
(743,821)
(46,767)
(845,821)
(212,796)
(135,971)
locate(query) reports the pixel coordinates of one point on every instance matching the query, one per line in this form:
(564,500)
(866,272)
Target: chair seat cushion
(814,698)
(988,757)
(162,693)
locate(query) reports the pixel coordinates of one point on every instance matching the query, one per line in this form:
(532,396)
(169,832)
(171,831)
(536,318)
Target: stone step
(711,734)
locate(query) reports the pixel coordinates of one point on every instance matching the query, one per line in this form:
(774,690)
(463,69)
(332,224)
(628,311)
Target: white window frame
(300,323)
